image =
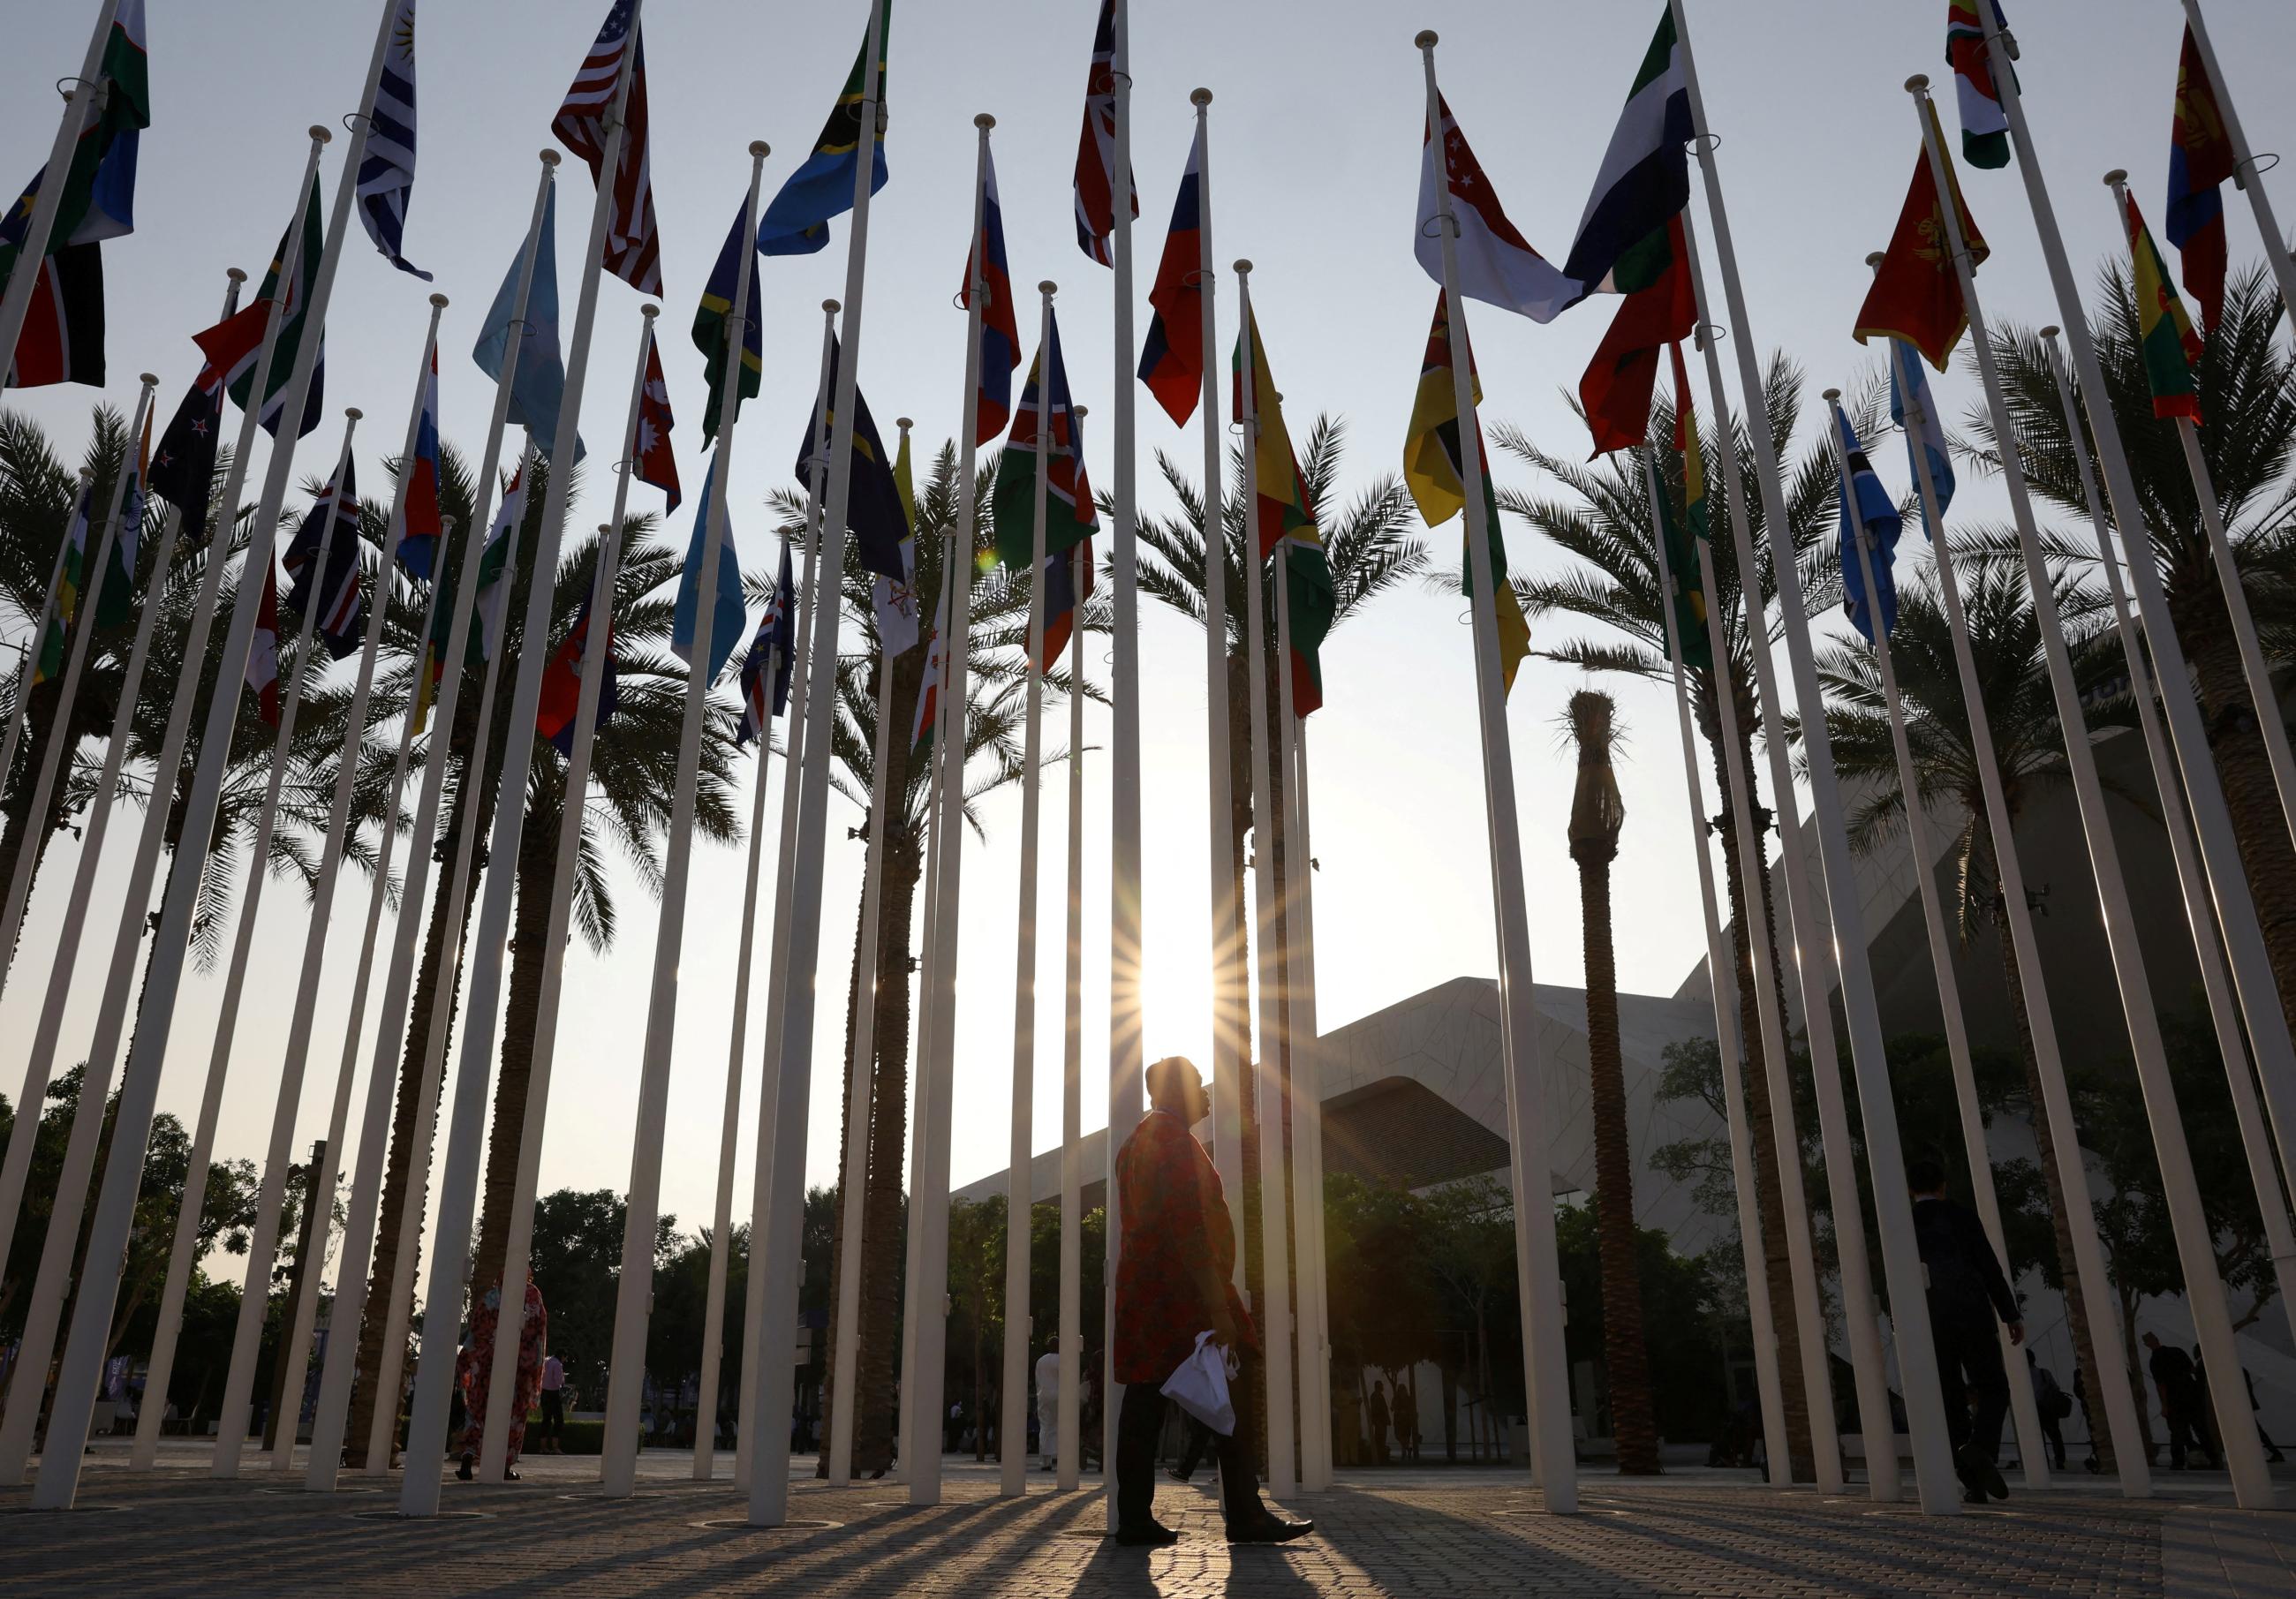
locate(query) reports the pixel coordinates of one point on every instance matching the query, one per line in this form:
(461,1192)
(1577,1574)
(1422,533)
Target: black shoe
(1980,1475)
(1269,1528)
(1177,1475)
(464,1470)
(509,1475)
(1975,1495)
(1148,1535)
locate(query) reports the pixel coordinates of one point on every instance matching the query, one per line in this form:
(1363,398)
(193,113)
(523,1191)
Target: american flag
(633,242)
(1095,171)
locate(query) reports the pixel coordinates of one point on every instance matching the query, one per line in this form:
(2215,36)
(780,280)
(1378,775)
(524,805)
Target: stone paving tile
(1474,1536)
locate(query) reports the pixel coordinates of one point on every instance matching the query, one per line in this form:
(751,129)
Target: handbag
(1199,1386)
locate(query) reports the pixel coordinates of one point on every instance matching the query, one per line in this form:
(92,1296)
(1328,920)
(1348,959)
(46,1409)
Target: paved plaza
(1449,1535)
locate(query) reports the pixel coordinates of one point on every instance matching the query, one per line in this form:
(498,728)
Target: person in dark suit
(1967,1292)
(2182,1405)
(1175,1273)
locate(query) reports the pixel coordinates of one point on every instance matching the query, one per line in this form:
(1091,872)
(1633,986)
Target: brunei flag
(1684,534)
(710,320)
(797,222)
(1984,124)
(1284,520)
(1431,468)
(2199,162)
(1172,359)
(1069,516)
(2164,331)
(1916,293)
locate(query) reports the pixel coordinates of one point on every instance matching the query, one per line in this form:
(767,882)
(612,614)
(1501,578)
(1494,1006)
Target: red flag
(1916,294)
(1618,382)
(656,462)
(2200,163)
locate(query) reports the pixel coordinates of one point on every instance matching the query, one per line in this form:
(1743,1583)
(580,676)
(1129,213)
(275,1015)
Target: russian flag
(1000,330)
(418,540)
(1172,361)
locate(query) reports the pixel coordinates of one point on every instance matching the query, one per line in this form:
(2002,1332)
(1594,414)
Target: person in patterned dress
(1174,1280)
(474,1371)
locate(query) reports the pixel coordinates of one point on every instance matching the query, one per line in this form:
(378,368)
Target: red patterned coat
(1175,1227)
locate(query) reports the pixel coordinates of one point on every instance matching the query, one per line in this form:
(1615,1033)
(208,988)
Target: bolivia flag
(1172,360)
(1984,124)
(1684,536)
(2164,332)
(1916,294)
(2199,162)
(1285,519)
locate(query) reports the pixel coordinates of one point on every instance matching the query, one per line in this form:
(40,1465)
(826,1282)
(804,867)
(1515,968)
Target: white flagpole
(239,1384)
(2224,1009)
(1307,1139)
(2244,1456)
(2247,174)
(331,1422)
(1530,1148)
(1012,1426)
(2030,1445)
(1272,1308)
(39,233)
(769,1475)
(596,658)
(1940,1492)
(98,1292)
(1722,978)
(928,1262)
(753,1344)
(305,1311)
(17,705)
(617,1470)
(1068,1412)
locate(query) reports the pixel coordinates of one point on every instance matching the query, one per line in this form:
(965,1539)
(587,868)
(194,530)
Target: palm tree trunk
(882,1241)
(846,1135)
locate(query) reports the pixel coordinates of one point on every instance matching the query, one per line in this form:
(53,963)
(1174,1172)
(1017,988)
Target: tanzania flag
(1070,515)
(2164,332)
(560,707)
(1616,388)
(797,222)
(183,467)
(1684,534)
(2199,162)
(98,201)
(288,281)
(1984,124)
(1172,358)
(1430,469)
(1000,332)
(1916,293)
(1645,181)
(709,327)
(63,340)
(1861,485)
(1284,518)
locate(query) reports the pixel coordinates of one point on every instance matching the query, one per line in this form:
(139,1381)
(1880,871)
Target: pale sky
(1315,137)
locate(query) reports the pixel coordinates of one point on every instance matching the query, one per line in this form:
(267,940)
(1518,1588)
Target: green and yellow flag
(2164,331)
(1284,518)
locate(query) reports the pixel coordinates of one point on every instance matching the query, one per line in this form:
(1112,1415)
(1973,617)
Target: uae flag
(1645,181)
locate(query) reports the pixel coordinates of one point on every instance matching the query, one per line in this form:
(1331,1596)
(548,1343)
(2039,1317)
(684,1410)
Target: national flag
(1916,294)
(63,340)
(920,728)
(2200,162)
(1862,485)
(538,391)
(1000,330)
(263,649)
(115,605)
(727,612)
(1617,387)
(288,281)
(420,527)
(1496,264)
(386,175)
(1172,360)
(773,652)
(1913,410)
(2165,333)
(656,462)
(183,466)
(1687,535)
(560,707)
(1070,515)
(1984,124)
(493,561)
(1645,181)
(1284,520)
(322,562)
(1067,583)
(895,598)
(872,501)
(633,250)
(797,222)
(72,584)
(710,320)
(1096,167)
(1431,470)
(98,200)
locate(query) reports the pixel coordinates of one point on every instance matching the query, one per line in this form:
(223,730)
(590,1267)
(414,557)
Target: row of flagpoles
(1470,248)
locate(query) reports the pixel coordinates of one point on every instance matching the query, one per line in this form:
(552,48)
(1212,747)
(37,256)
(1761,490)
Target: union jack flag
(633,242)
(1095,170)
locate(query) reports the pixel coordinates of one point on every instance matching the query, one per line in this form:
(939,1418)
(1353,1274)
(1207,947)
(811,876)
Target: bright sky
(1316,139)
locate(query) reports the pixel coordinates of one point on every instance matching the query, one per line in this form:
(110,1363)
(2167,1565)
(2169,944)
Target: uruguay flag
(726,612)
(1000,330)
(1172,360)
(386,177)
(418,494)
(1862,486)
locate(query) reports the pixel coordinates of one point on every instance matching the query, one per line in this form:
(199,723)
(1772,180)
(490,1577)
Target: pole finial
(1048,288)
(984,122)
(1918,84)
(1199,98)
(1426,39)
(760,149)
(319,134)
(606,528)
(649,310)
(2116,178)
(1831,396)
(903,423)
(830,306)
(1081,412)
(353,411)
(151,381)
(2051,331)
(439,300)
(1243,266)
(551,158)
(1875,258)
(234,274)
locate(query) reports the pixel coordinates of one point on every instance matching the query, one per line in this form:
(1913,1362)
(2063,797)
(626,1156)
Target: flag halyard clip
(2258,164)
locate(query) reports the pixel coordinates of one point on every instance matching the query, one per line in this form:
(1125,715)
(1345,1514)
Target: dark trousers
(1970,1368)
(553,1412)
(1200,1441)
(2186,1436)
(2053,1435)
(1140,1425)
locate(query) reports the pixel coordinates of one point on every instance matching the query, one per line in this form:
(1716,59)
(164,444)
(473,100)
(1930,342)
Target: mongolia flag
(385,177)
(1431,469)
(727,610)
(797,222)
(1619,383)
(773,653)
(1882,527)
(1916,293)
(2199,162)
(263,650)
(1683,535)
(322,561)
(1913,411)
(2164,331)
(1000,330)
(183,466)
(1984,124)
(1284,520)
(418,494)
(1096,167)
(710,320)
(656,462)
(1067,583)
(1172,360)
(1070,515)
(562,685)
(1645,181)
(1496,265)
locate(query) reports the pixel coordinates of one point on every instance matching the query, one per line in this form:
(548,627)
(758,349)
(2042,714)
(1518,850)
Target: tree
(1469,1244)
(976,1289)
(1685,1328)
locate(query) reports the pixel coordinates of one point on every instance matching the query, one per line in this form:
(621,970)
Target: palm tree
(2005,642)
(1597,813)
(1605,523)
(2248,392)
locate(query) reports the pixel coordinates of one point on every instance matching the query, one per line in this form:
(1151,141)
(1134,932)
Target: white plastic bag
(1199,1386)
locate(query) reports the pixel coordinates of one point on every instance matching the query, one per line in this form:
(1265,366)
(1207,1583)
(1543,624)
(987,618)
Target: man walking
(553,1404)
(1173,1282)
(1967,1290)
(2178,1384)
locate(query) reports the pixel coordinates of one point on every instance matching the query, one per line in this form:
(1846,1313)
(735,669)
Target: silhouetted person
(1379,1419)
(1967,1292)
(2179,1385)
(1174,1280)
(2273,1457)
(2050,1400)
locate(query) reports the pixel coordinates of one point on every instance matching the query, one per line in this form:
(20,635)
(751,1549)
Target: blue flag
(1924,433)
(1883,528)
(539,389)
(797,222)
(727,613)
